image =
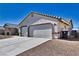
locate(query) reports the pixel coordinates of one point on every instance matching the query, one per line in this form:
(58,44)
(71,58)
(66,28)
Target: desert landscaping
(57,47)
(4,36)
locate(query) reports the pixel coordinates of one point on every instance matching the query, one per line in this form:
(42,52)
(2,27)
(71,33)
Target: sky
(15,12)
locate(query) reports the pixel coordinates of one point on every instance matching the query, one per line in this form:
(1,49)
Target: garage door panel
(41,31)
(24,31)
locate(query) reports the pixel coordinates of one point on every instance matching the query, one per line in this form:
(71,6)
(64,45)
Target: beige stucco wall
(39,19)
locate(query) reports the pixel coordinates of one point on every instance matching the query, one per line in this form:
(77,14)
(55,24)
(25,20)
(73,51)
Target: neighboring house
(10,29)
(44,26)
(74,34)
(2,29)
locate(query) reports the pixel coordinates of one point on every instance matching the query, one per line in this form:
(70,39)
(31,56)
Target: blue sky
(15,13)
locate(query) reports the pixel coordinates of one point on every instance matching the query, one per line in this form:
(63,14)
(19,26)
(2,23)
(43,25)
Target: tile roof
(56,17)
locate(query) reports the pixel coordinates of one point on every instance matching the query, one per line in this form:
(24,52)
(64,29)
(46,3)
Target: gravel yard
(54,47)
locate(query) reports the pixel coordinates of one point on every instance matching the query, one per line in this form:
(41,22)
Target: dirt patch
(4,36)
(54,48)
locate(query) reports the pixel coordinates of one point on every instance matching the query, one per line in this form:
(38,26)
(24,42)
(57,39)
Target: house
(2,30)
(11,29)
(44,26)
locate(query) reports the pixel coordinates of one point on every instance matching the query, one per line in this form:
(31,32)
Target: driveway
(16,45)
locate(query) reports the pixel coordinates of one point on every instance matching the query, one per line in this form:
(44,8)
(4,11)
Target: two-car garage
(39,30)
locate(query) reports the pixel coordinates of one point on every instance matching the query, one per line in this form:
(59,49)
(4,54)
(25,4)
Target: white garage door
(24,31)
(41,31)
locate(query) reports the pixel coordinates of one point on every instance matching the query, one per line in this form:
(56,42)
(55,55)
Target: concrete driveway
(16,45)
